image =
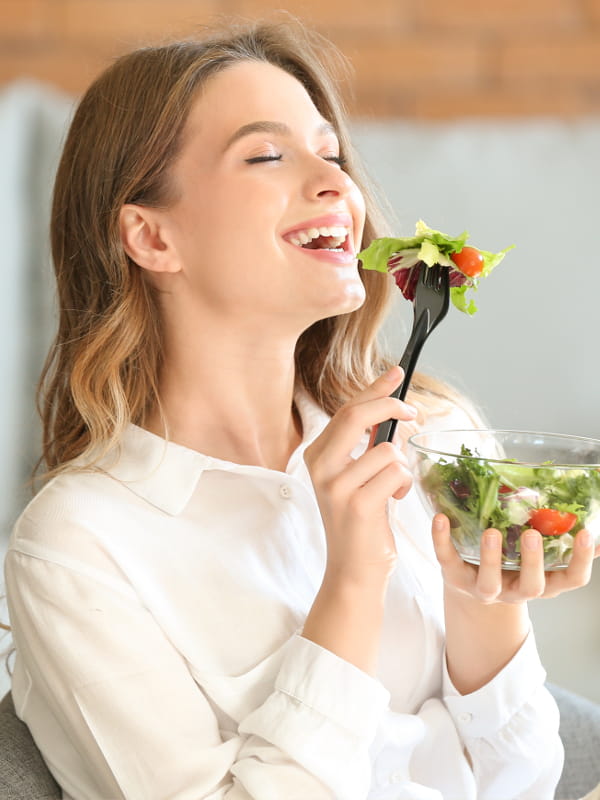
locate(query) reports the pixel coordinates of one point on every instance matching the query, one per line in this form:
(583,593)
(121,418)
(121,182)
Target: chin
(352,298)
(344,303)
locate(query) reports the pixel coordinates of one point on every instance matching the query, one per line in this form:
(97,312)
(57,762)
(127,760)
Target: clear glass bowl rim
(470,431)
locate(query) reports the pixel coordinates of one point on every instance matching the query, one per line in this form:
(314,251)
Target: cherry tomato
(550,522)
(469,261)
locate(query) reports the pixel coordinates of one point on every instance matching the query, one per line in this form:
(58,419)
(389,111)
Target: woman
(223,591)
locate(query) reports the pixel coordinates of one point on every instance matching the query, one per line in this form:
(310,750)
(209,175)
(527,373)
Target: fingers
(532,576)
(347,427)
(580,566)
(383,385)
(489,577)
(579,571)
(379,472)
(485,582)
(456,572)
(493,584)
(489,583)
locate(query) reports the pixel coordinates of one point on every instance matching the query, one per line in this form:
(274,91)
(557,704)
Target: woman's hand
(347,613)
(486,607)
(353,493)
(488,583)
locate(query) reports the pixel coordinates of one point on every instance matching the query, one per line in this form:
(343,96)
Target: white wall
(529,355)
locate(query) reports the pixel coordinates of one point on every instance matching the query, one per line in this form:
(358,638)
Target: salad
(477,494)
(404,259)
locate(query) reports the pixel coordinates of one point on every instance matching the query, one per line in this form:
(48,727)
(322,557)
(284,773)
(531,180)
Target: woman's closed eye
(260,159)
(339,160)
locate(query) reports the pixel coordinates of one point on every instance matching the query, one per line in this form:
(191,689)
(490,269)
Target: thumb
(384,385)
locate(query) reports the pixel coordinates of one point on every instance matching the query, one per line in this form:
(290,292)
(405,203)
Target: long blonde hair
(102,370)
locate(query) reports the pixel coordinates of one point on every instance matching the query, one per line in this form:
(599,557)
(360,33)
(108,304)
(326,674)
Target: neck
(230,398)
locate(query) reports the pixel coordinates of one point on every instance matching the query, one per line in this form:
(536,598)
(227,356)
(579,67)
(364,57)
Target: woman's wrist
(347,615)
(481,638)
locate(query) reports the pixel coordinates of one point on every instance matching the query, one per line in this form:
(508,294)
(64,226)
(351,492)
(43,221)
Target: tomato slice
(550,522)
(469,261)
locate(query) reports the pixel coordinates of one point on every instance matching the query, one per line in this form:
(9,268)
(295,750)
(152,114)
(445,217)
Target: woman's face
(258,177)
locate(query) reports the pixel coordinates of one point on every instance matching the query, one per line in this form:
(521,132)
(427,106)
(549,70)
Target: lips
(331,233)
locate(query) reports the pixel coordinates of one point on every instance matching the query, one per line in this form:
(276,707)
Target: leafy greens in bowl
(511,481)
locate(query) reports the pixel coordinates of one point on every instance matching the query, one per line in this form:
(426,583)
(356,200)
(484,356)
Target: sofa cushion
(580,734)
(23,773)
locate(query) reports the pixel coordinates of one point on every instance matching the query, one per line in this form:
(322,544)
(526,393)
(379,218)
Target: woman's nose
(327,178)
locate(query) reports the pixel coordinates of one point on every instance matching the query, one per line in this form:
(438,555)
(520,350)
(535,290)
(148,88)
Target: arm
(487,607)
(509,729)
(347,614)
(493,679)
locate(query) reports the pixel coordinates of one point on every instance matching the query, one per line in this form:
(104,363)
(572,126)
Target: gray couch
(24,776)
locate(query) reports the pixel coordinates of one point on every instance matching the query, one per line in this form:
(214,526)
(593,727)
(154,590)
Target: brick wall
(420,59)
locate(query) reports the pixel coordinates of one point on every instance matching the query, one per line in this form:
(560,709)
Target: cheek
(243,217)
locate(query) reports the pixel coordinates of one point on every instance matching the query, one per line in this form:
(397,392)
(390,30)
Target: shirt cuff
(482,713)
(336,689)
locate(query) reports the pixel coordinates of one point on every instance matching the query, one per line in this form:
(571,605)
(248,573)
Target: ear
(143,239)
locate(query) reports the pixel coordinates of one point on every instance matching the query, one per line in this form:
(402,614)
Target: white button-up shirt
(157,606)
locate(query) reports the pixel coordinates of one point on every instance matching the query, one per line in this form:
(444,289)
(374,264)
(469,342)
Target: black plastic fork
(430,306)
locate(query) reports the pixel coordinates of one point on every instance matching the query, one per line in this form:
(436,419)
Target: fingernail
(438,523)
(531,541)
(491,541)
(585,540)
(392,374)
(411,410)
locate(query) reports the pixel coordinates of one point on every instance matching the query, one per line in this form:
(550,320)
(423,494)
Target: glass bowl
(511,481)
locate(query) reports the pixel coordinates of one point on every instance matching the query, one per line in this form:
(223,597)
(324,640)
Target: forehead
(248,91)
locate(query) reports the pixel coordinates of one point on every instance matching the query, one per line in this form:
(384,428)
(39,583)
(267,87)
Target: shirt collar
(165,474)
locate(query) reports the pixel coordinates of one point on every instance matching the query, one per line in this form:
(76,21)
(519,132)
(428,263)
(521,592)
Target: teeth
(337,232)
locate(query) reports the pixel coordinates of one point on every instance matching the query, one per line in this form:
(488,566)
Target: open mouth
(334,238)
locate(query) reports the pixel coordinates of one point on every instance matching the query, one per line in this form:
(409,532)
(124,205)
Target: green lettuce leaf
(430,247)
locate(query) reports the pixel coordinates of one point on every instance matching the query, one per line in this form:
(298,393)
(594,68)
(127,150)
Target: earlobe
(142,239)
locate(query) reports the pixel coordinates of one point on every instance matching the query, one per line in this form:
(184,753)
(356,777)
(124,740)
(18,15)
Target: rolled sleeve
(509,728)
(321,703)
(322,681)
(483,713)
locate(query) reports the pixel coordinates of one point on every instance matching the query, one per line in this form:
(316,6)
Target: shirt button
(396,777)
(285,491)
(464,716)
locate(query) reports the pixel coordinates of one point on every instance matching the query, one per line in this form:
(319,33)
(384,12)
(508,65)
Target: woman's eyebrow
(268,126)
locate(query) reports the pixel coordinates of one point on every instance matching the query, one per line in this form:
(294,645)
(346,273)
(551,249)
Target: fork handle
(408,362)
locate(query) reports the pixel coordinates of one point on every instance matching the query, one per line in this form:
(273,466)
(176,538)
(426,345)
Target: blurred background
(470,115)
